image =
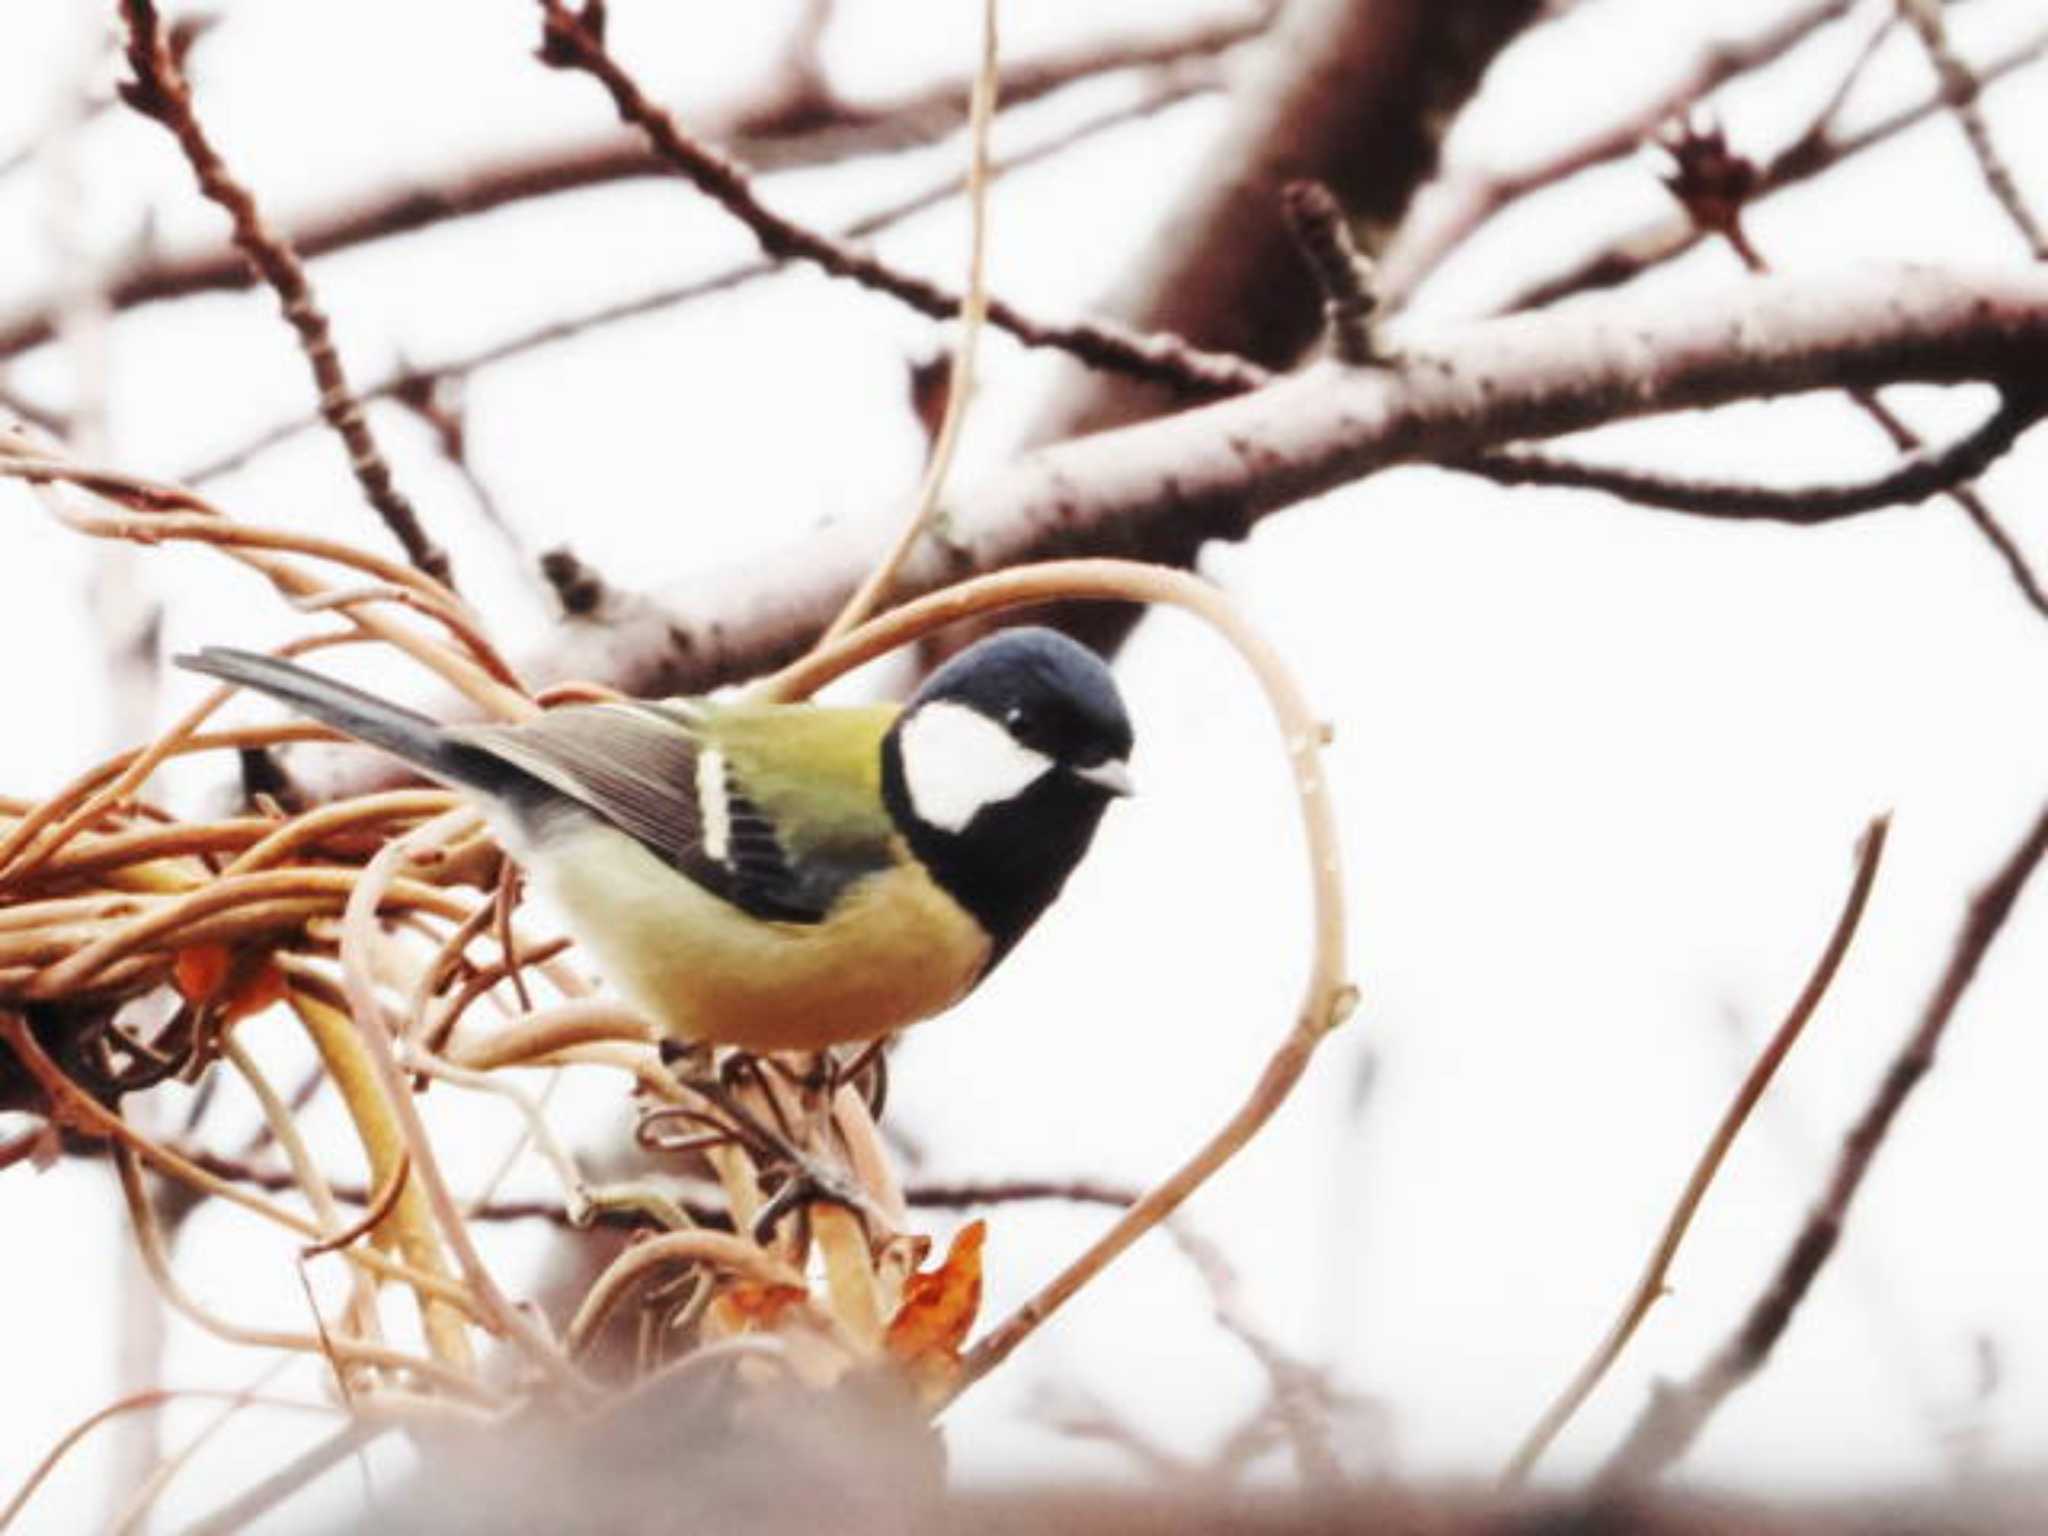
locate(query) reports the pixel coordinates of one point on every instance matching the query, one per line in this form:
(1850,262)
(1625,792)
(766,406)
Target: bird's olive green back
(815,772)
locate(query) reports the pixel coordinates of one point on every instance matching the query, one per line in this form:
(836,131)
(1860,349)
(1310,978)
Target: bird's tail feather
(400,731)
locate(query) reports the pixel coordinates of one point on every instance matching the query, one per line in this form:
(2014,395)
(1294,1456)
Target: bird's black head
(999,769)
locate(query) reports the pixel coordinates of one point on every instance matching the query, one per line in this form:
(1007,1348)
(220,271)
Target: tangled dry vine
(380,922)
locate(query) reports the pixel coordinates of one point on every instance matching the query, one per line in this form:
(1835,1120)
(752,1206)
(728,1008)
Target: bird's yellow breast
(896,949)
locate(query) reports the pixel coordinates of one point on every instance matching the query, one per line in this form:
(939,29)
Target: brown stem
(1870,851)
(571,43)
(767,135)
(1653,245)
(159,91)
(1961,89)
(1675,1415)
(1913,479)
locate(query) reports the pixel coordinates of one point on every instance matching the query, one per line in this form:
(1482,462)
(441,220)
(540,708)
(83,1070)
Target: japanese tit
(783,876)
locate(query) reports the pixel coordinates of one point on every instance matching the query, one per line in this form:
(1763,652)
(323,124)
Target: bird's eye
(1023,725)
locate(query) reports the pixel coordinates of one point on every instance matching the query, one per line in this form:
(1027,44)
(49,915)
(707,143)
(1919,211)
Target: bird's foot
(809,1182)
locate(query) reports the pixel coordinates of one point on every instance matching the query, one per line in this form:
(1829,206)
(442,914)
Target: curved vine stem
(973,311)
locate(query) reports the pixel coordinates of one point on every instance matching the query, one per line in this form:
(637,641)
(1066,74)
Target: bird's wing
(654,771)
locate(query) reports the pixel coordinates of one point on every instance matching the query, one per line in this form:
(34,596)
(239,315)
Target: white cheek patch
(955,761)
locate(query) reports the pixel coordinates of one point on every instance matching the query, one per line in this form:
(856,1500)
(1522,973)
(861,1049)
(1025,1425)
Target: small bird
(783,876)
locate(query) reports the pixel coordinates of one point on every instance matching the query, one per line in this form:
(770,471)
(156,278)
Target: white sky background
(1600,769)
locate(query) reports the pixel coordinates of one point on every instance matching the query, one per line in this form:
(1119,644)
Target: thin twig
(379,1207)
(943,1196)
(767,136)
(1630,256)
(1714,187)
(1913,479)
(724,1251)
(1650,1286)
(139,1402)
(153,511)
(134,1515)
(1458,205)
(1170,92)
(973,310)
(24,1146)
(965,1196)
(572,39)
(1675,1415)
(1960,88)
(251,1505)
(149,1241)
(1965,496)
(1341,270)
(1298,1400)
(159,90)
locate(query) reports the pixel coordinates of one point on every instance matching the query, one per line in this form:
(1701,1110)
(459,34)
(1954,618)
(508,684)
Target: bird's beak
(1113,776)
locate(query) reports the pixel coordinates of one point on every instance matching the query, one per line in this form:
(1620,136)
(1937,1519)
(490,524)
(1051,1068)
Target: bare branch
(1652,245)
(1454,207)
(570,42)
(1960,88)
(1356,94)
(1299,1398)
(1715,186)
(773,133)
(1965,495)
(1675,1415)
(1651,1286)
(56,423)
(959,373)
(936,1196)
(159,91)
(1162,488)
(1915,478)
(395,384)
(1345,276)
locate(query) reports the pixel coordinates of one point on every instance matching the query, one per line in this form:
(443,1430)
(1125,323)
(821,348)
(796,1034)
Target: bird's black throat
(1008,864)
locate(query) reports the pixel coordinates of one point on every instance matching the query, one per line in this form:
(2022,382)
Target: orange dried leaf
(237,983)
(939,1307)
(199,969)
(751,1305)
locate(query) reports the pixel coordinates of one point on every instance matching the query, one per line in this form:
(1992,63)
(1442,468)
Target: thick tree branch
(1355,94)
(1160,489)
